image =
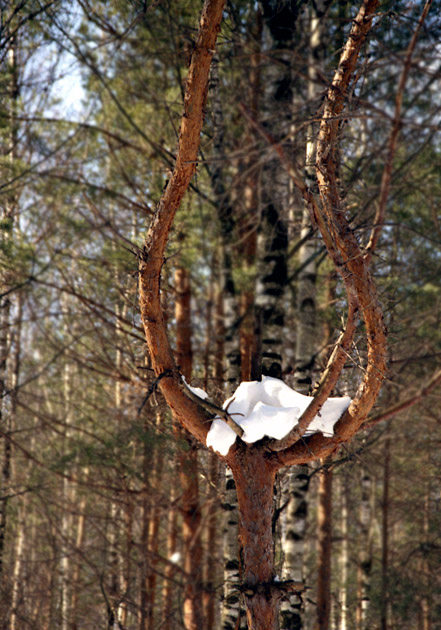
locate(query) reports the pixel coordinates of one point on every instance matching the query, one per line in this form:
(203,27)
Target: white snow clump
(270,408)
(196,390)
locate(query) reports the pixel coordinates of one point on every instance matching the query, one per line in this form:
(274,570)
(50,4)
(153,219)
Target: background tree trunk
(324,546)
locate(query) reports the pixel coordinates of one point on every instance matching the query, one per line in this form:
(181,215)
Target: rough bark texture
(188,466)
(324,534)
(255,486)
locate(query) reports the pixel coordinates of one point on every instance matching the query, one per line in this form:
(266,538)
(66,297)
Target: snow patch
(196,390)
(175,557)
(270,408)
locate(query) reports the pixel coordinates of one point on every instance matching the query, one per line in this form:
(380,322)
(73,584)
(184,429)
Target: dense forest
(254,189)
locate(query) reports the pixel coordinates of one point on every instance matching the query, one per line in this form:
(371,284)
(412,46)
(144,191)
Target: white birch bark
(232,611)
(365,550)
(9,216)
(65,494)
(306,347)
(16,590)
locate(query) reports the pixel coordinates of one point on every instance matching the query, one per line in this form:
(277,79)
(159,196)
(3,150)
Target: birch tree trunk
(212,558)
(16,589)
(385,538)
(293,543)
(227,232)
(306,345)
(231,609)
(9,215)
(365,551)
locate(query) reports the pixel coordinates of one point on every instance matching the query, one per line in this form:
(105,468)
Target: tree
(254,467)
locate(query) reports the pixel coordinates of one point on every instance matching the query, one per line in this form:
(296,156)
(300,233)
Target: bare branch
(393,138)
(405,404)
(213,409)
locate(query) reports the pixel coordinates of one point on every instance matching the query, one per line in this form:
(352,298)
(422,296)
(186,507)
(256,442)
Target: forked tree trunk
(255,466)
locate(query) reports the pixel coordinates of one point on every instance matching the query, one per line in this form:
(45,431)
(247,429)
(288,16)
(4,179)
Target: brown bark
(212,538)
(254,476)
(324,547)
(188,467)
(169,586)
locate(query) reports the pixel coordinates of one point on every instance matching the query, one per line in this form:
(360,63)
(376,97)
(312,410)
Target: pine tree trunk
(168,610)
(426,603)
(144,542)
(188,468)
(212,556)
(324,547)
(154,471)
(255,488)
(77,568)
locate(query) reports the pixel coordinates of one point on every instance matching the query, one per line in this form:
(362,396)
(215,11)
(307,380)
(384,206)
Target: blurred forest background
(104,502)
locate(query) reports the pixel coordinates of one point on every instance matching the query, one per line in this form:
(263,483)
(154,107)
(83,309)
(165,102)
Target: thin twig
(213,409)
